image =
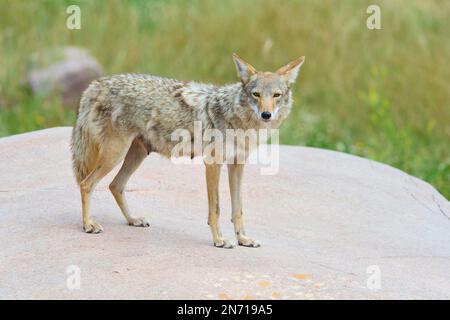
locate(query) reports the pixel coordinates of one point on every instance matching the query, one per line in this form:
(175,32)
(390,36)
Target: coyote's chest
(212,144)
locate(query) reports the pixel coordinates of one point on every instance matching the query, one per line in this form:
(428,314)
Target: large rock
(328,222)
(64,72)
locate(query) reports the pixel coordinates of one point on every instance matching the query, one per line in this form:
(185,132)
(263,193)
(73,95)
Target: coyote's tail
(85,151)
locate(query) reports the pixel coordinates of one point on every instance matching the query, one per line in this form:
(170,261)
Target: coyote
(127,116)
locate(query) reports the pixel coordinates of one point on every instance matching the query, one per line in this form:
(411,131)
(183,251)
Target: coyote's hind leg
(135,155)
(103,167)
(111,153)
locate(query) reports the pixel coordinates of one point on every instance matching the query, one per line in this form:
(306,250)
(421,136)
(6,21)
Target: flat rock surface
(331,225)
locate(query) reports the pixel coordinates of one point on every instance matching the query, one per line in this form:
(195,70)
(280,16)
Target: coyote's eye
(255,94)
(277,95)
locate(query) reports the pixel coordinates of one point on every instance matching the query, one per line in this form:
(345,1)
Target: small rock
(64,72)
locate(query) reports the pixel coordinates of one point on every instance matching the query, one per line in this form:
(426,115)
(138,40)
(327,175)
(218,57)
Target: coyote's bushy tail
(85,151)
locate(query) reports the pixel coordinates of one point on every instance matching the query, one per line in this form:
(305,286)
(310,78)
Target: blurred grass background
(381,94)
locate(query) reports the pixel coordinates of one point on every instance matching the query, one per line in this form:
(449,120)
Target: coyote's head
(267,92)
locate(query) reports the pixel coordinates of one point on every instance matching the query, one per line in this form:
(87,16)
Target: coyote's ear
(244,70)
(290,71)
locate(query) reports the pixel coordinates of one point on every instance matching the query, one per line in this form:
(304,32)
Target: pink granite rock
(331,226)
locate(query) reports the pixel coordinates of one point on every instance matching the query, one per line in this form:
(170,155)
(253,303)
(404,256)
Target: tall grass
(382,94)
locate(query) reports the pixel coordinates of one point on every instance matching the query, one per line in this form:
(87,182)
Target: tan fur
(125,117)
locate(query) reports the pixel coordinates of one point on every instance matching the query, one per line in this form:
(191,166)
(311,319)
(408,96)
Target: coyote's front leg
(235,172)
(212,183)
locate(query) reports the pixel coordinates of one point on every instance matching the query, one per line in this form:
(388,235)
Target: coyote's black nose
(266,115)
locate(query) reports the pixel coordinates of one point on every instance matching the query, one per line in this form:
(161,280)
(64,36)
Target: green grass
(382,94)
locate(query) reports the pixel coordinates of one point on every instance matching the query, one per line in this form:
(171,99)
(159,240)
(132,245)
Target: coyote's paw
(247,242)
(92,227)
(139,222)
(222,243)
